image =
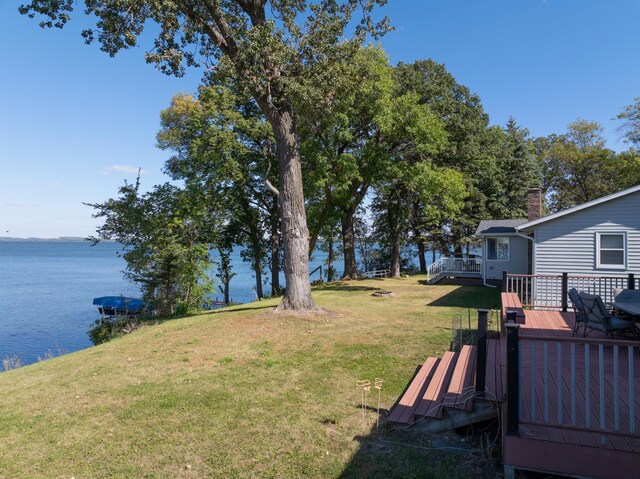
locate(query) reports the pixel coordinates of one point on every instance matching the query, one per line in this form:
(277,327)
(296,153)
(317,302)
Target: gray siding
(568,244)
(518,259)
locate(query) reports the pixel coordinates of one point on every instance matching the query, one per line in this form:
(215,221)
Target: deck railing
(573,384)
(550,291)
(379,273)
(454,265)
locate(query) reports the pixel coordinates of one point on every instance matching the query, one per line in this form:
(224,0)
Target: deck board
(404,410)
(462,385)
(431,403)
(492,371)
(558,434)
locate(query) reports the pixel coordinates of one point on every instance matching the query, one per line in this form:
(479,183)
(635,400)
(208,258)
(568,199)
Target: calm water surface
(47,289)
(46,294)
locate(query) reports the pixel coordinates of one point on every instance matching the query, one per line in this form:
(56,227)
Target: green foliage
(518,169)
(224,149)
(414,196)
(479,152)
(341,141)
(578,167)
(165,235)
(279,52)
(108,328)
(630,126)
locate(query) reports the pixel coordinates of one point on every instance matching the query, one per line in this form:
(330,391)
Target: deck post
(481,357)
(505,289)
(513,379)
(565,292)
(631,282)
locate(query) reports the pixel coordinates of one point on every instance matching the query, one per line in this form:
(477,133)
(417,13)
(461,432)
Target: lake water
(47,289)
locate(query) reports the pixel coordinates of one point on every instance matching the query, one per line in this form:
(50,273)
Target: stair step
(462,385)
(404,410)
(431,403)
(494,389)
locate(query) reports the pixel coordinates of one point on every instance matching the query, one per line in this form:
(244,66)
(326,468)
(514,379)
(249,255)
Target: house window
(498,249)
(611,250)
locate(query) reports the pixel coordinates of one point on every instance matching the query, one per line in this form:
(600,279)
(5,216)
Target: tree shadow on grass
(468,297)
(226,310)
(385,452)
(346,286)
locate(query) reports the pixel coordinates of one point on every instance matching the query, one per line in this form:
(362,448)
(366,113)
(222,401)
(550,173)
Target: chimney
(534,204)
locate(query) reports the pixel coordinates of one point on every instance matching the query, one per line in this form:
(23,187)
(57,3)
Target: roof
(493,227)
(575,209)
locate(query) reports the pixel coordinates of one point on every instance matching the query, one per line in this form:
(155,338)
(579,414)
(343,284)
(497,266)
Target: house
(600,237)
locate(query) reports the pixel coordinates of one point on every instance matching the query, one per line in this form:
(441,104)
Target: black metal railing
(541,291)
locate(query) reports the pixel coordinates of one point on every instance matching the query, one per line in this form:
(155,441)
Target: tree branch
(272,188)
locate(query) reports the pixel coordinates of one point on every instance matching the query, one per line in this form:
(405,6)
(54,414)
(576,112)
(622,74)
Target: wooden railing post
(565,291)
(505,288)
(481,356)
(513,379)
(631,282)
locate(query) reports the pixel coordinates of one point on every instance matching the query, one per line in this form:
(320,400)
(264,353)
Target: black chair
(599,318)
(578,309)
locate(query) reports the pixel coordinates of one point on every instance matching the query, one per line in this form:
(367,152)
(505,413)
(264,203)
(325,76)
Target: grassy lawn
(242,392)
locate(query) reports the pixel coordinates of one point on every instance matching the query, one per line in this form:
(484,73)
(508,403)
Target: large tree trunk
(226,292)
(330,270)
(395,259)
(258,272)
(349,245)
(226,274)
(395,233)
(421,256)
(256,260)
(294,220)
(275,250)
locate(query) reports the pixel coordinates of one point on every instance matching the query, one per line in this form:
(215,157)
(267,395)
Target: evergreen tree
(165,235)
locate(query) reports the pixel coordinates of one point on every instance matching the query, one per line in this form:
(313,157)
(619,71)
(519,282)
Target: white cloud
(122,169)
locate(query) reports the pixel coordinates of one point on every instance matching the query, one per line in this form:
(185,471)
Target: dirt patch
(382,294)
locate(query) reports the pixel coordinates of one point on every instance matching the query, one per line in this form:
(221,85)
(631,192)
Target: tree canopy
(630,126)
(578,167)
(165,235)
(280,58)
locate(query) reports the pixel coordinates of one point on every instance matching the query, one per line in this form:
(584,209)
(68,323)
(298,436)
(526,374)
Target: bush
(108,328)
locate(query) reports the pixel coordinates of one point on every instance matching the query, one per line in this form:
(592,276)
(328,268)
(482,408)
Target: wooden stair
(462,385)
(444,390)
(431,403)
(404,410)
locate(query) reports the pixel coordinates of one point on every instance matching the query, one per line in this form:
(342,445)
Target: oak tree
(275,54)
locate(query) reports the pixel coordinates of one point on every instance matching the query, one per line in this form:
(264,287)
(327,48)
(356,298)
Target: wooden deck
(577,404)
(442,395)
(579,409)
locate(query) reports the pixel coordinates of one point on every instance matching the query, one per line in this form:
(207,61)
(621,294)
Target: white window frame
(496,238)
(624,250)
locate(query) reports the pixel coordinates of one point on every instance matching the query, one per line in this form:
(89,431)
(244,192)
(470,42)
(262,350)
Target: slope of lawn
(242,392)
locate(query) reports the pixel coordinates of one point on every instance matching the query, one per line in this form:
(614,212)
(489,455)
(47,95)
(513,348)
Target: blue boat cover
(120,303)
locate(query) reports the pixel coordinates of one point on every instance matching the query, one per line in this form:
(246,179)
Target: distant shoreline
(62,239)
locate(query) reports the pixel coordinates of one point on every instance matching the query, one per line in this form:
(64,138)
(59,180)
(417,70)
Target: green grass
(243,392)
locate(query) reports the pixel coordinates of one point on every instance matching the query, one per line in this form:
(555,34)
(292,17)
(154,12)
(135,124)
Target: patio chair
(599,318)
(578,309)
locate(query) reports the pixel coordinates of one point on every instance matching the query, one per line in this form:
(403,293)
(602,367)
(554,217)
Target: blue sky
(75,123)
